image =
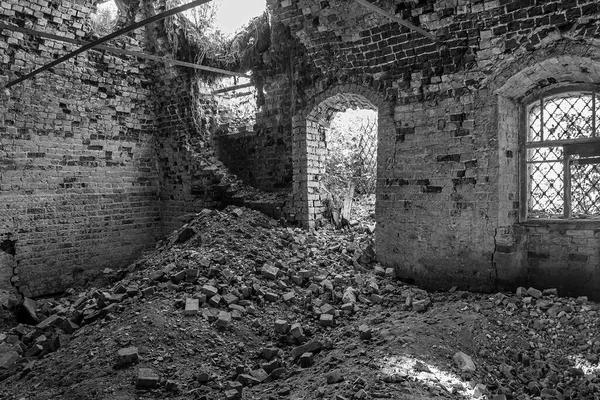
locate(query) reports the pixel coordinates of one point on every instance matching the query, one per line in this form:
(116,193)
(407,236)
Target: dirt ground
(287,314)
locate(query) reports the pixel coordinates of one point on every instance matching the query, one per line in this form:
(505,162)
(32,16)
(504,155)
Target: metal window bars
(563,156)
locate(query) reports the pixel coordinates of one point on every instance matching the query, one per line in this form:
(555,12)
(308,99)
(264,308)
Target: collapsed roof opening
(104,19)
(233,15)
(237,104)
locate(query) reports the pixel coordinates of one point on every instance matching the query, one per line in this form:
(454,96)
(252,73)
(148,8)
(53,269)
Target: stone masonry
(105,154)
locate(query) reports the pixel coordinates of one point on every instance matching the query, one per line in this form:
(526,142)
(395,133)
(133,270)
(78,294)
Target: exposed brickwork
(448,199)
(97,145)
(79,186)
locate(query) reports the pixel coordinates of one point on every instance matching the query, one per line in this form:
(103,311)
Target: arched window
(561,155)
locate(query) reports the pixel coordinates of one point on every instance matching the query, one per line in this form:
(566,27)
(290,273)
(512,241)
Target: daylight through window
(563,156)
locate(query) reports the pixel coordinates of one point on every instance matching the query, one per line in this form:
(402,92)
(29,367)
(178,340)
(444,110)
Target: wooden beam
(108,37)
(232,88)
(122,51)
(399,20)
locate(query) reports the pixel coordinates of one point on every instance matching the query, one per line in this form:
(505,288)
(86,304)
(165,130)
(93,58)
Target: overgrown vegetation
(352,157)
(104,20)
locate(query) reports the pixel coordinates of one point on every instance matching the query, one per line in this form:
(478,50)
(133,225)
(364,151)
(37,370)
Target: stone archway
(309,149)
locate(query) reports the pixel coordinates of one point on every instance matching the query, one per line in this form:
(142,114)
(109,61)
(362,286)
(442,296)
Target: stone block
(326,320)
(127,356)
(192,307)
(147,378)
(269,271)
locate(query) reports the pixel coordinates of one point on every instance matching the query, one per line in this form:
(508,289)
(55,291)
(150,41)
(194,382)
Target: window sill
(576,223)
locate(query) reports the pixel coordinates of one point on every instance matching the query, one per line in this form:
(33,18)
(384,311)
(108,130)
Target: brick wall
(79,185)
(188,169)
(447,196)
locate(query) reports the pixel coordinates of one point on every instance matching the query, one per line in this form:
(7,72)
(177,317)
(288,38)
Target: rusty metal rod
(399,20)
(122,51)
(108,37)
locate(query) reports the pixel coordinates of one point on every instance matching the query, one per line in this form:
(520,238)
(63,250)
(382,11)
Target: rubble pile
(233,306)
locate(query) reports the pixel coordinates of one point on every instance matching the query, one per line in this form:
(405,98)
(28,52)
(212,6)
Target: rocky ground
(235,306)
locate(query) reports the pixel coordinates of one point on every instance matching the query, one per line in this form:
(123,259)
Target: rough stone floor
(234,306)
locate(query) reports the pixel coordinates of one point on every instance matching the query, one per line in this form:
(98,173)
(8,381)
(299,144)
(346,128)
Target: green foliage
(352,155)
(104,20)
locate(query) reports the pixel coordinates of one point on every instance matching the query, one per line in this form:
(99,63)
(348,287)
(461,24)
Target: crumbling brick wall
(79,184)
(447,194)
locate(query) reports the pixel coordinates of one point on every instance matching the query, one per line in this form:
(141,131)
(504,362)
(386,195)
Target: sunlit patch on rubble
(586,366)
(401,368)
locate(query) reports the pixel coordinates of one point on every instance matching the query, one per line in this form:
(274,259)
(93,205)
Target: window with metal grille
(562,156)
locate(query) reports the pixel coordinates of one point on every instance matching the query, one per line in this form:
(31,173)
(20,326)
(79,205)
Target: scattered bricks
(156,276)
(338,280)
(326,320)
(203,376)
(132,291)
(230,299)
(55,321)
(201,297)
(224,320)
(421,305)
(306,360)
(271,365)
(348,308)
(232,394)
(214,271)
(379,270)
(312,347)
(464,362)
(147,378)
(365,332)
(289,296)
(227,275)
(349,296)
(259,374)
(245,291)
(148,291)
(297,279)
(534,293)
(247,380)
(360,395)
(334,376)
(375,298)
(120,289)
(281,326)
(192,307)
(236,307)
(297,331)
(191,275)
(327,285)
(234,385)
(305,274)
(30,305)
(316,289)
(327,309)
(214,301)
(8,358)
(390,273)
(209,291)
(127,356)
(178,277)
(550,292)
(171,386)
(271,297)
(268,353)
(269,271)
(521,291)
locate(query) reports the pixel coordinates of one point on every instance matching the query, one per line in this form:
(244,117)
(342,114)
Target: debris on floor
(235,306)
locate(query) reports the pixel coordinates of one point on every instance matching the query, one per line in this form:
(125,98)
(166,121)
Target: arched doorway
(310,145)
